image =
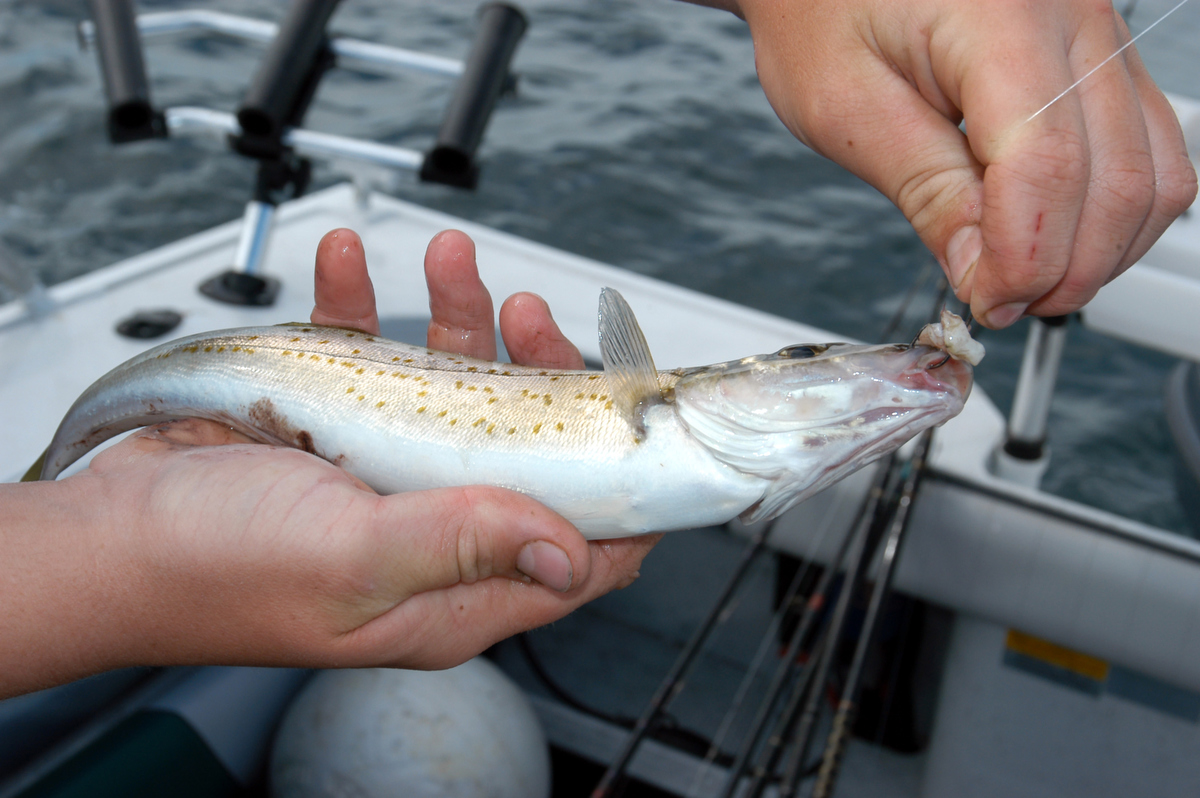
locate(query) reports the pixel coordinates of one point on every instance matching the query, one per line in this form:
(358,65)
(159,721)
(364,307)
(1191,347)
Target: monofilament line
(1120,50)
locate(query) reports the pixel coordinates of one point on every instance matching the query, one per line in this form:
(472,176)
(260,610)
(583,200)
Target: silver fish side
(616,455)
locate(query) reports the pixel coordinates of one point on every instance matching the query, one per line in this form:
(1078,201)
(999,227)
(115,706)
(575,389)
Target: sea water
(640,137)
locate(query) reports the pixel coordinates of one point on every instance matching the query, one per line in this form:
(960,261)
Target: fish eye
(801,351)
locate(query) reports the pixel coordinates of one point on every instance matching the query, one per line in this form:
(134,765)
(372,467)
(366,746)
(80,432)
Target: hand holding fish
(1027,212)
(186,543)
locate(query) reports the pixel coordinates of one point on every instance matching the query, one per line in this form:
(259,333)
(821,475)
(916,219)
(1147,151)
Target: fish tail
(35,471)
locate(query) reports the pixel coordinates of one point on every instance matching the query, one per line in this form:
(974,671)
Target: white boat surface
(1005,568)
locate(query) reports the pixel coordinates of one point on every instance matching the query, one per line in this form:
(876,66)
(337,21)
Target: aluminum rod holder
(452,159)
(131,117)
(256,232)
(190,119)
(349,52)
(1030,414)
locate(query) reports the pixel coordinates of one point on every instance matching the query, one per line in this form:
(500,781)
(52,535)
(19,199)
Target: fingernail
(546,563)
(962,251)
(1004,315)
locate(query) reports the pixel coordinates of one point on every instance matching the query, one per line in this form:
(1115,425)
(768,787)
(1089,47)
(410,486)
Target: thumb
(440,538)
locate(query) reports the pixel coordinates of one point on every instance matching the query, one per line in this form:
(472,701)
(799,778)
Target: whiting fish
(621,452)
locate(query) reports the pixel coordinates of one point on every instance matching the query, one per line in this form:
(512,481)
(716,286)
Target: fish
(624,451)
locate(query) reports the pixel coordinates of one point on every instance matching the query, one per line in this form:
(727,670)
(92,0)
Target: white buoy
(463,732)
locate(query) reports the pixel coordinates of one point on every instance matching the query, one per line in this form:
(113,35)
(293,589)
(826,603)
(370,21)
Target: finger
(1117,190)
(465,535)
(1174,174)
(460,306)
(532,337)
(343,290)
(441,628)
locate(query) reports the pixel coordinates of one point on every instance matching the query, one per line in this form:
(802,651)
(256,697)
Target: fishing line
(1120,50)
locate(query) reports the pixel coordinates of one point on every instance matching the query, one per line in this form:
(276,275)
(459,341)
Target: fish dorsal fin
(627,361)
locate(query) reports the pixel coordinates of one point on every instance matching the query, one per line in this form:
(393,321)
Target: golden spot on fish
(524,392)
(471,388)
(422,393)
(603,396)
(553,379)
(443,413)
(331,360)
(559,426)
(237,349)
(487,389)
(608,405)
(512,430)
(593,396)
(472,368)
(361,397)
(397,357)
(300,356)
(429,351)
(379,373)
(347,364)
(453,421)
(506,373)
(306,329)
(312,357)
(356,351)
(490,371)
(381,404)
(422,409)
(579,396)
(480,421)
(294,340)
(594,377)
(220,349)
(543,373)
(492,401)
(458,385)
(349,335)
(546,400)
(287,352)
(537,428)
(323,342)
(208,348)
(359,371)
(408,360)
(349,390)
(490,428)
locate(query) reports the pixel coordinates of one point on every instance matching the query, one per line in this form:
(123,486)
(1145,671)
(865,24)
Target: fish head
(809,415)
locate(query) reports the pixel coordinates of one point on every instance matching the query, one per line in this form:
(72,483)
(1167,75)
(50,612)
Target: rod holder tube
(1030,414)
(131,117)
(283,79)
(485,74)
(256,231)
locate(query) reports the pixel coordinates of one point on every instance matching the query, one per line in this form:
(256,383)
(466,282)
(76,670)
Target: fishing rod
(843,719)
(672,683)
(812,611)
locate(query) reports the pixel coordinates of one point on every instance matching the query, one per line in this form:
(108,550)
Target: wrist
(65,594)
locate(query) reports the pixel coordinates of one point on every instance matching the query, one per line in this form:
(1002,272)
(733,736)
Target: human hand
(1024,216)
(198,546)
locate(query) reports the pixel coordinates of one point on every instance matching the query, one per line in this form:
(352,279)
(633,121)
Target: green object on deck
(151,753)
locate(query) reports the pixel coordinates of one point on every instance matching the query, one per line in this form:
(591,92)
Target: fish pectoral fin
(35,471)
(628,365)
